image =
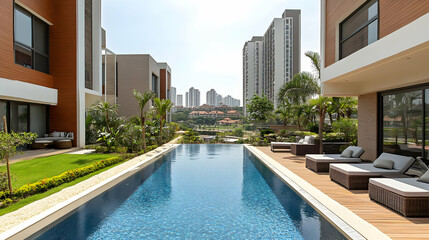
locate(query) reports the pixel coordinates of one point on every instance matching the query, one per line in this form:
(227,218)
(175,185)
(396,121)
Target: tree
(348,106)
(106,109)
(297,91)
(260,108)
(143,99)
(8,144)
(284,112)
(162,107)
(315,62)
(320,105)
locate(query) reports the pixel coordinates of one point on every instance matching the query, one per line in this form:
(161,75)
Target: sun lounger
(320,162)
(356,176)
(287,145)
(407,196)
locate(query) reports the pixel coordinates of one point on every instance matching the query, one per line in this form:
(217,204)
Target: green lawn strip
(51,191)
(31,171)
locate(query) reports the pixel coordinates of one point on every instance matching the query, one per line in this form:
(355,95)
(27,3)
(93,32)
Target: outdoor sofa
(408,196)
(320,162)
(356,176)
(57,139)
(287,145)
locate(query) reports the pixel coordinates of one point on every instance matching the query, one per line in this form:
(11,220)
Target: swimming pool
(197,192)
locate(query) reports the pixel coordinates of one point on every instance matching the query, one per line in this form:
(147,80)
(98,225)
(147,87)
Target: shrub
(334,137)
(3,181)
(101,149)
(238,132)
(348,127)
(266,131)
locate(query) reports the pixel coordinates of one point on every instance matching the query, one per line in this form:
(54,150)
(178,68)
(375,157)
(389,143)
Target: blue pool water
(197,192)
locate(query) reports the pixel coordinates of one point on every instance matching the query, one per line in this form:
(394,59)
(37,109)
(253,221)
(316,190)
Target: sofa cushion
(383,163)
(347,153)
(56,134)
(424,178)
(401,163)
(408,187)
(357,151)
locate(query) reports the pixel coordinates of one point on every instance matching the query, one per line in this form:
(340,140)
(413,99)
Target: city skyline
(214,55)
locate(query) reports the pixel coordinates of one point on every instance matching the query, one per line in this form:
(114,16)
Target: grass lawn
(31,171)
(36,197)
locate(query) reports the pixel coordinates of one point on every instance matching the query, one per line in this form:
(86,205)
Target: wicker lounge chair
(407,196)
(356,176)
(320,162)
(287,145)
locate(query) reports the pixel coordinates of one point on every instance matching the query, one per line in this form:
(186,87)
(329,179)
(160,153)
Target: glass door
(3,112)
(426,150)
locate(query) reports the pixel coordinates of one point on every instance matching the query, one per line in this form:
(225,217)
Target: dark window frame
(366,24)
(31,48)
(380,109)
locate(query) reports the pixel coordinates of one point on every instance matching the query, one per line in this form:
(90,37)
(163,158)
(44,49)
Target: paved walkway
(389,222)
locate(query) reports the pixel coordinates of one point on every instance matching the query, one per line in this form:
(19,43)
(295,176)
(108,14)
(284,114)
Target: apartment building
(282,52)
(252,69)
(272,60)
(193,97)
(173,96)
(50,56)
(140,72)
(378,50)
(179,100)
(211,98)
(230,101)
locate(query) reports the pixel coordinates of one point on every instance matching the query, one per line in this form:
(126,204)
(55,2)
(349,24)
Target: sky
(202,41)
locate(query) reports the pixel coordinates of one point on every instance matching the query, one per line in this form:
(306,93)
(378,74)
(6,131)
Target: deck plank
(389,222)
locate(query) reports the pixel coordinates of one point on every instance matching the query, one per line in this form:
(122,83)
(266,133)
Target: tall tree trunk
(330,118)
(321,123)
(6,156)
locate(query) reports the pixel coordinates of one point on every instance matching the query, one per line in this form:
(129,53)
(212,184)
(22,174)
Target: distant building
(211,98)
(230,101)
(252,69)
(193,98)
(179,99)
(173,96)
(278,57)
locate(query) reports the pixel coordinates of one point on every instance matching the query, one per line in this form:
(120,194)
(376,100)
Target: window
(405,122)
(359,29)
(155,84)
(31,41)
(88,44)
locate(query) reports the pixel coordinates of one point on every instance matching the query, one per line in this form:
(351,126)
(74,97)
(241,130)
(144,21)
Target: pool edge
(353,226)
(49,216)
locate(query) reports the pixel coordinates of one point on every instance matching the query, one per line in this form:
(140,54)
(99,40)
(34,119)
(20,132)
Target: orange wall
(8,68)
(63,117)
(163,83)
(62,50)
(393,15)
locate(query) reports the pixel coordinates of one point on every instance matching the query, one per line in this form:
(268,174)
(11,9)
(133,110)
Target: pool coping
(35,224)
(353,226)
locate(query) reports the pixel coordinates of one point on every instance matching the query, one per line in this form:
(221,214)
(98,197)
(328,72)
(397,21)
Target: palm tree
(284,113)
(162,106)
(308,114)
(143,99)
(106,109)
(297,91)
(315,62)
(320,105)
(298,110)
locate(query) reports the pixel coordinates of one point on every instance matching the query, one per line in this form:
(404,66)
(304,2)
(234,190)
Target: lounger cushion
(357,151)
(383,163)
(364,169)
(401,163)
(424,178)
(407,187)
(332,158)
(347,153)
(281,143)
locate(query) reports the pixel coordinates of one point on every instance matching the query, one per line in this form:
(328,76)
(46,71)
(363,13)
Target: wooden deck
(386,220)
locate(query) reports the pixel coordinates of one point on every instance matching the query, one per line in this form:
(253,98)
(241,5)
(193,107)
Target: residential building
(193,97)
(109,80)
(219,100)
(140,72)
(282,52)
(230,101)
(252,69)
(211,98)
(378,50)
(173,96)
(179,100)
(51,55)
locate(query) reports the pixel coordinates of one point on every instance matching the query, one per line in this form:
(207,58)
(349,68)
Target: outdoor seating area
(58,140)
(303,146)
(387,192)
